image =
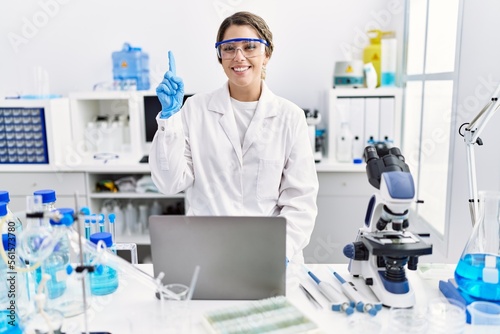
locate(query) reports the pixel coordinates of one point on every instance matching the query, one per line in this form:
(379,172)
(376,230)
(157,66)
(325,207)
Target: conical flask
(478,271)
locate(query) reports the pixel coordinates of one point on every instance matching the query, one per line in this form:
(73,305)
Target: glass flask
(478,271)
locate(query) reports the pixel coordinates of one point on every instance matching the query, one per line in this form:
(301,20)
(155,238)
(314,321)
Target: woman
(239,150)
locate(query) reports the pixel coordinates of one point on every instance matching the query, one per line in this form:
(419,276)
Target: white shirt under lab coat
(272,173)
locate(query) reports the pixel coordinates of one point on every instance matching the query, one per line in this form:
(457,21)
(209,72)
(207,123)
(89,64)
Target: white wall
(479,75)
(73,40)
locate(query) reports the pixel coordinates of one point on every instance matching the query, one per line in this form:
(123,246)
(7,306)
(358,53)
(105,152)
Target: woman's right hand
(170,91)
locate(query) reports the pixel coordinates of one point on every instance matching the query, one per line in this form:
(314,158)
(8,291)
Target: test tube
(112,226)
(101,223)
(85,212)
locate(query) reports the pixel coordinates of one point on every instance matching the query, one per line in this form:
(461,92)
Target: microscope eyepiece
(370,153)
(397,152)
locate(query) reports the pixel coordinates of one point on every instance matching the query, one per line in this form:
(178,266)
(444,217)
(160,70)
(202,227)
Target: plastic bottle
(144,217)
(120,224)
(104,280)
(124,124)
(389,59)
(91,135)
(116,133)
(155,209)
(104,128)
(9,319)
(373,52)
(357,150)
(131,217)
(371,76)
(131,68)
(344,143)
(16,222)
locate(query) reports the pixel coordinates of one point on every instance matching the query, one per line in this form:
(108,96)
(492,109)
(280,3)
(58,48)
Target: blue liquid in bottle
(469,277)
(55,266)
(9,323)
(104,280)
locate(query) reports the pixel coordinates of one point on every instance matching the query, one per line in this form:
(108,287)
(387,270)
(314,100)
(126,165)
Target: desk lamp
(471,137)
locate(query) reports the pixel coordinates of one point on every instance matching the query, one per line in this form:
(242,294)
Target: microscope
(384,246)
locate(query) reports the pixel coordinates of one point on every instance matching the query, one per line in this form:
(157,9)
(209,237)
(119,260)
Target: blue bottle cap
(6,242)
(66,220)
(357,161)
(67,211)
(48,195)
(104,236)
(85,211)
(4,196)
(3,209)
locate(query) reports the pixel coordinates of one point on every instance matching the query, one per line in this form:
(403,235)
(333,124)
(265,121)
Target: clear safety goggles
(250,47)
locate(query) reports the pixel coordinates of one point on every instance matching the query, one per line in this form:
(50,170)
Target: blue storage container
(131,65)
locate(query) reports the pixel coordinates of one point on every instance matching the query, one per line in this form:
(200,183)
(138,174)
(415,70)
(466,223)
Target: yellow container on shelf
(373,52)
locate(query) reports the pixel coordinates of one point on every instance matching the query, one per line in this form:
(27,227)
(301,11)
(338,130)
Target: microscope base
(402,294)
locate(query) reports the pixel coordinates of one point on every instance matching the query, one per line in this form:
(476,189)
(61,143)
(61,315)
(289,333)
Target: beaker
(478,270)
(484,313)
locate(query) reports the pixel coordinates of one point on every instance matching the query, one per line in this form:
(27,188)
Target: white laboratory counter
(135,309)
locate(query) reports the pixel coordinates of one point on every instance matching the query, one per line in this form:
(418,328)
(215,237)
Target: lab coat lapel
(221,103)
(264,110)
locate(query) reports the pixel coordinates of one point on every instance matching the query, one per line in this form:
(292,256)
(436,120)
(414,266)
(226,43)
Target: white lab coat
(271,174)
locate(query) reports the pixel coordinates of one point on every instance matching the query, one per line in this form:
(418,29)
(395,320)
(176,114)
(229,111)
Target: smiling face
(244,74)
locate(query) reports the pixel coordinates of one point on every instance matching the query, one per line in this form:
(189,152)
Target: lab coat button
(162,128)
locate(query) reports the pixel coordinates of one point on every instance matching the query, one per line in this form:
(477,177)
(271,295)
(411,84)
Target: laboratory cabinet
(342,200)
(104,125)
(132,192)
(365,116)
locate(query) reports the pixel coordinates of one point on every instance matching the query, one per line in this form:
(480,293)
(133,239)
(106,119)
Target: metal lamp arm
(471,137)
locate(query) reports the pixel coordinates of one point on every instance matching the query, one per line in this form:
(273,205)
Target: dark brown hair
(252,20)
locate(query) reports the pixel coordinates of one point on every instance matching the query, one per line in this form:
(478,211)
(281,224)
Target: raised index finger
(171,62)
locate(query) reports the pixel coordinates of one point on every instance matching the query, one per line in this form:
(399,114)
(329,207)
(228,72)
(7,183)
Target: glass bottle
(131,218)
(64,288)
(18,225)
(48,201)
(104,280)
(19,289)
(478,270)
(9,287)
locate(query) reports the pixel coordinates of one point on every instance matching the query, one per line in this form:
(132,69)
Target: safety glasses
(249,47)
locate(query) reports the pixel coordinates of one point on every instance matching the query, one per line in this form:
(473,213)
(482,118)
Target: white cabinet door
(342,201)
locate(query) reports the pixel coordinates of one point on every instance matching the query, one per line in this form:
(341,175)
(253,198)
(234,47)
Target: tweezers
(310,297)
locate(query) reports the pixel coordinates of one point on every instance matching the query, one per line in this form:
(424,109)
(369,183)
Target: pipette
(353,294)
(101,223)
(338,302)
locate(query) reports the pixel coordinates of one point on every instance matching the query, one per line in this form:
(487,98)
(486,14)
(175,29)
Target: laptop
(240,258)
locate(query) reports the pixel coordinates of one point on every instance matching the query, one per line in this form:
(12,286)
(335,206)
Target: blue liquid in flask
(469,277)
